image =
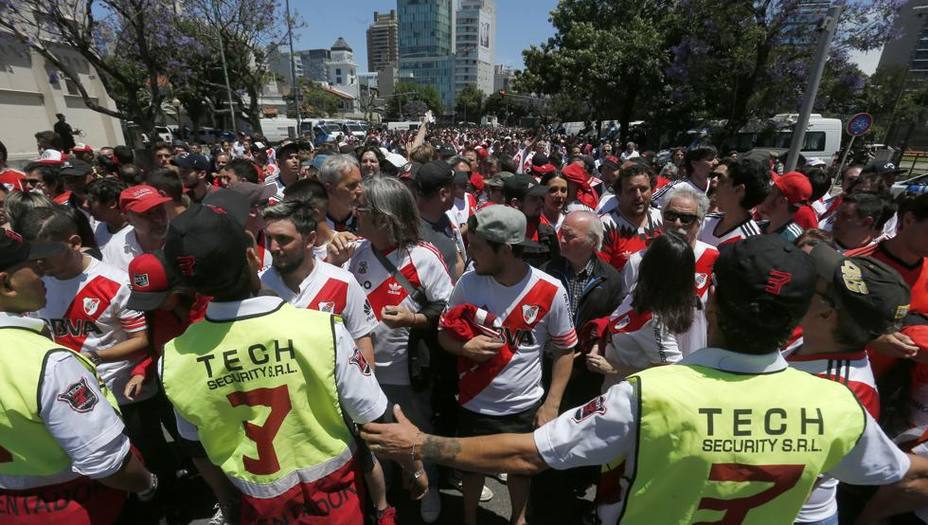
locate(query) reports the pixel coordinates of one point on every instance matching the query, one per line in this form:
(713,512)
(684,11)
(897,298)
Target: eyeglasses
(685,219)
(31,182)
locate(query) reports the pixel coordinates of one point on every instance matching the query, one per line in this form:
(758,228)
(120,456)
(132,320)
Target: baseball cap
(80,147)
(15,250)
(205,247)
(434,175)
(794,186)
(75,168)
(446,151)
(141,198)
(882,167)
(611,162)
(764,278)
(521,186)
(237,203)
(192,161)
(292,147)
(873,294)
(497,180)
(410,170)
(150,281)
(51,157)
(501,224)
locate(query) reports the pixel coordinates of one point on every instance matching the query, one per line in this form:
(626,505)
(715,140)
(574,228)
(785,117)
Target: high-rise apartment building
(910,48)
(474,45)
(426,45)
(382,46)
(334,66)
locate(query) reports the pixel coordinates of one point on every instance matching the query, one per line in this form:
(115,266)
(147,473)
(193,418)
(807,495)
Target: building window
(338,71)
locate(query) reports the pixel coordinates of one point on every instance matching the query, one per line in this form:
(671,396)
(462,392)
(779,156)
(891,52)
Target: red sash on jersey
(705,261)
(81,315)
(528,312)
(331,298)
(390,292)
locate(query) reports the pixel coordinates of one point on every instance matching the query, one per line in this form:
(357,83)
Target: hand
(599,364)
(133,387)
(545,413)
(481,348)
(394,440)
(397,317)
(340,248)
(895,345)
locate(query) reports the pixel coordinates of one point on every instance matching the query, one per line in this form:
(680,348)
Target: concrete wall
(32,92)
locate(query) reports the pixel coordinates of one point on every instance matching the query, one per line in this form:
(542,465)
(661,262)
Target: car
(916,184)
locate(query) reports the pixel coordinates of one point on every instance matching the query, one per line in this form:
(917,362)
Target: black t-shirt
(439,236)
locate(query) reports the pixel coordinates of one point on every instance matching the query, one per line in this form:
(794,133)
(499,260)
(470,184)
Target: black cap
(520,186)
(434,175)
(873,293)
(191,161)
(540,159)
(882,167)
(205,246)
(75,168)
(446,151)
(232,202)
(14,250)
(764,279)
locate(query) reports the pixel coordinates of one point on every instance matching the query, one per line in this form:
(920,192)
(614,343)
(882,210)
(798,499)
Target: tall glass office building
(426,45)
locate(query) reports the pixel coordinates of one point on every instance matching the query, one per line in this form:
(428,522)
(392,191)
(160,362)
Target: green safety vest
(27,448)
(261,392)
(720,447)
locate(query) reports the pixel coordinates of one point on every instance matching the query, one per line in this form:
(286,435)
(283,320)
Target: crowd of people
(318,331)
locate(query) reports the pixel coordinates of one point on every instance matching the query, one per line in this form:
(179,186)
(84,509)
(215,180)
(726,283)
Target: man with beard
(633,224)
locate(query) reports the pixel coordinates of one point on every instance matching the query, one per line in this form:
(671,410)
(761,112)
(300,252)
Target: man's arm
(514,453)
(478,349)
(135,343)
(131,477)
(366,346)
(906,495)
(560,375)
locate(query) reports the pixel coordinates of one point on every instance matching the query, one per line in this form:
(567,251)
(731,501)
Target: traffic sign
(859,124)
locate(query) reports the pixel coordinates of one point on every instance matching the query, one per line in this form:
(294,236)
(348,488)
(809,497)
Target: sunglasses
(685,219)
(31,182)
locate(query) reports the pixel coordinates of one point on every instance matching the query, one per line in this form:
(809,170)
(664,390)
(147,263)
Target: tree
(316,101)
(134,46)
(508,108)
(407,91)
(607,55)
(750,58)
(468,105)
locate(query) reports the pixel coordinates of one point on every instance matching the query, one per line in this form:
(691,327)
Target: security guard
(266,387)
(63,455)
(728,435)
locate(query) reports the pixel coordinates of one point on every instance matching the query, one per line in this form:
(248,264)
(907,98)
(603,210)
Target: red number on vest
(783,477)
(5,456)
(278,399)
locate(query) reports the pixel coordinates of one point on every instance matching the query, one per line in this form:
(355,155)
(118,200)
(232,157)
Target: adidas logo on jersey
(394,288)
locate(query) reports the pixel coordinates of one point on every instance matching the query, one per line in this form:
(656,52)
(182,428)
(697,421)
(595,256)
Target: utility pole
(826,29)
(225,69)
(296,88)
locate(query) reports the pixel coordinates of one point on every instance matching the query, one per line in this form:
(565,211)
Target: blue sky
(519,24)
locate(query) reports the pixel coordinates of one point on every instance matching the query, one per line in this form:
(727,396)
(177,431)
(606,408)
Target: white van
(822,138)
(278,129)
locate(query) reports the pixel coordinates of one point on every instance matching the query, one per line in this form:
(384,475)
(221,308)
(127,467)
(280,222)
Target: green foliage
(315,101)
(469,104)
(407,93)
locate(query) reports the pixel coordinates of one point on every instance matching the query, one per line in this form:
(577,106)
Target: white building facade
(475,45)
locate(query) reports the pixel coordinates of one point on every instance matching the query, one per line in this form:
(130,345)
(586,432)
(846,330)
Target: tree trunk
(626,110)
(745,87)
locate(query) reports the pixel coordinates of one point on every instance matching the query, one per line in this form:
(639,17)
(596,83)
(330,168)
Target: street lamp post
(225,69)
(295,89)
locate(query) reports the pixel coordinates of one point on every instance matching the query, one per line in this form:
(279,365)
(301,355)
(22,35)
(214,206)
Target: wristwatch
(147,495)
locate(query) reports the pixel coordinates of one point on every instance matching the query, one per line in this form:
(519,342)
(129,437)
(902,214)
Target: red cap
(148,281)
(482,153)
(575,173)
(140,198)
(794,186)
(476,180)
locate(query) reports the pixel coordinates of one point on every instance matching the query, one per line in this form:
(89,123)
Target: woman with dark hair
(370,158)
(641,330)
(552,211)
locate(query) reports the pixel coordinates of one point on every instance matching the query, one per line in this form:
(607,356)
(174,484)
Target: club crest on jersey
(595,406)
(90,305)
(530,312)
(357,359)
(362,267)
(394,288)
(327,307)
(621,323)
(701,280)
(79,397)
